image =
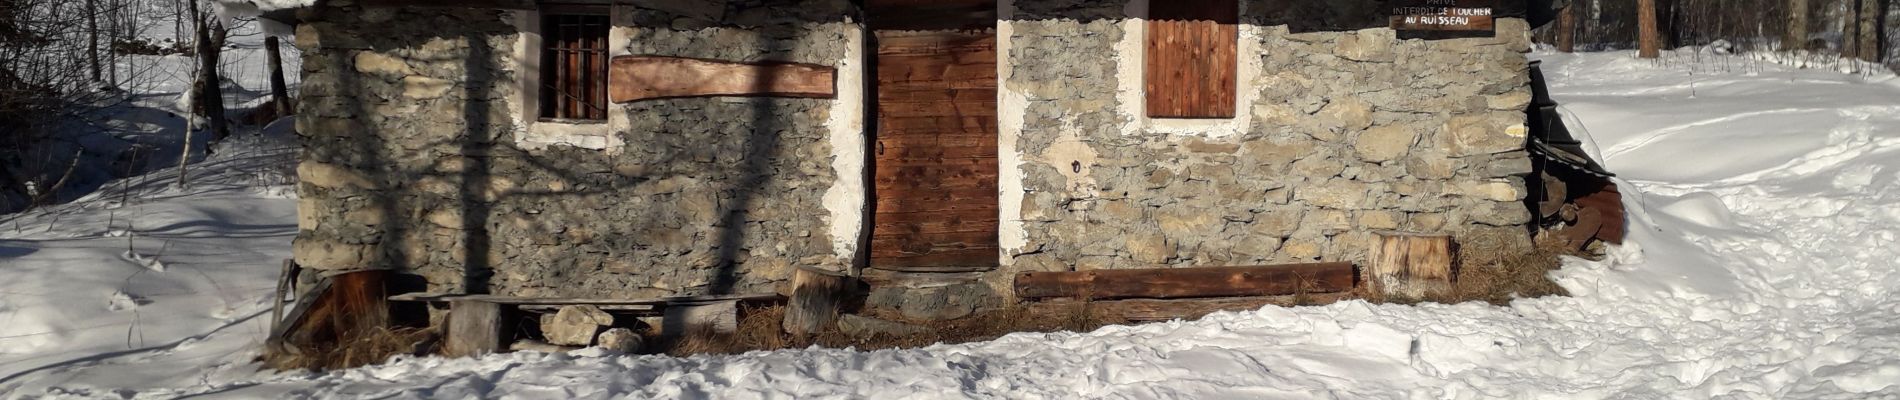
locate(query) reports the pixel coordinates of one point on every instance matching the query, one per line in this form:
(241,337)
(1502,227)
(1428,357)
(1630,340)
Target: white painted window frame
(1131,68)
(535,133)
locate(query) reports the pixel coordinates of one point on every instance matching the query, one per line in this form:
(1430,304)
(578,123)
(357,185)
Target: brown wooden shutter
(1191,57)
(574,67)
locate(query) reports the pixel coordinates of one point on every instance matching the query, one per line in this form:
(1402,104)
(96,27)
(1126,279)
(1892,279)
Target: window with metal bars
(574,67)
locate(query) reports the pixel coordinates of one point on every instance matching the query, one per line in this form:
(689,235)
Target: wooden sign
(633,78)
(1442,15)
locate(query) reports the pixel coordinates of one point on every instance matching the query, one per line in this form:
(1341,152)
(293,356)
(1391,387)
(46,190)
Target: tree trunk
(92,38)
(1567,29)
(279,92)
(210,94)
(1869,28)
(1651,41)
(1796,37)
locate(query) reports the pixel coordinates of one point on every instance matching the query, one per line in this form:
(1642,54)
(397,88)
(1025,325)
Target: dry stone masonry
(421,155)
(413,158)
(1353,131)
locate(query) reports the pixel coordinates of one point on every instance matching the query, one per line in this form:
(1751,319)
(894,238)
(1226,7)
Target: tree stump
(1410,264)
(816,296)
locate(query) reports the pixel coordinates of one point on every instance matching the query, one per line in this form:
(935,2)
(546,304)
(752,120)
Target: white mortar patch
(1130,76)
(1011,104)
(845,199)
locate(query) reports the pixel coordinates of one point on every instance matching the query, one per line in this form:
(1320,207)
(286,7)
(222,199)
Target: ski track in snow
(1770,278)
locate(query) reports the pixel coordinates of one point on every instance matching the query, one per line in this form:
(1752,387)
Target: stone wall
(1352,131)
(413,120)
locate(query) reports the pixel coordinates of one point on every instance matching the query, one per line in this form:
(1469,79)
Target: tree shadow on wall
(480,162)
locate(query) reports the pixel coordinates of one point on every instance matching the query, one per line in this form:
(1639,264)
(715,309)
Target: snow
(1761,264)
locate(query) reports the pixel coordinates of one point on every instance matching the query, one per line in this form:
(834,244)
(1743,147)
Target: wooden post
(1410,264)
(1651,41)
(1178,283)
(1567,29)
(816,297)
(476,328)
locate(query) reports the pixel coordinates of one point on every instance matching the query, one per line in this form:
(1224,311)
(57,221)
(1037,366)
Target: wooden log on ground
(1144,310)
(816,298)
(1171,283)
(477,327)
(1410,264)
(633,78)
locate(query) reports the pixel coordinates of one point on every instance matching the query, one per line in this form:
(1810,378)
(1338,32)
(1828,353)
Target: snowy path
(1764,265)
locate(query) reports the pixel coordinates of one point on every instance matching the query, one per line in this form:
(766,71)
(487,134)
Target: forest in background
(1853,29)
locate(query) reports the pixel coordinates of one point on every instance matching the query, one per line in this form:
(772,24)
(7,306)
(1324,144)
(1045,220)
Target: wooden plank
(450,297)
(286,276)
(298,315)
(1143,310)
(476,328)
(1410,264)
(1608,202)
(634,78)
(549,308)
(1166,283)
(1441,15)
(1192,59)
(496,4)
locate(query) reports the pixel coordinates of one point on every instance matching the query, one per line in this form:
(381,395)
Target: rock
(334,256)
(1374,45)
(424,88)
(575,325)
(934,303)
(1335,194)
(620,339)
(1483,134)
(373,63)
(544,347)
(1349,113)
(1151,248)
(332,176)
(866,327)
(1492,190)
(1385,143)
(1380,219)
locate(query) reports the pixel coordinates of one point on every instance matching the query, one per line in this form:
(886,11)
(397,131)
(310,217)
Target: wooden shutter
(574,67)
(1191,58)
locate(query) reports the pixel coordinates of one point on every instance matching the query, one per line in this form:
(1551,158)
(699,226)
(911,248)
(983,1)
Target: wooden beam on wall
(496,4)
(634,78)
(1175,283)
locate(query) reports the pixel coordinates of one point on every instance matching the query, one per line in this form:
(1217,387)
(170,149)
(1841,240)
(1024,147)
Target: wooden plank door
(935,166)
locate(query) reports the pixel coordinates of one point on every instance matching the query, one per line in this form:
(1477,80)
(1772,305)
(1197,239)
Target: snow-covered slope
(1762,265)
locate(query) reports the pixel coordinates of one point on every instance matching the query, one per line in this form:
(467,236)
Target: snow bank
(1761,265)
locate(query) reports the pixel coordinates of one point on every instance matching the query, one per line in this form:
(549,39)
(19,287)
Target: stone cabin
(643,148)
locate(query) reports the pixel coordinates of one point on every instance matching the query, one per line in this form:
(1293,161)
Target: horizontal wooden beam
(634,78)
(448,297)
(496,4)
(1175,283)
(1143,310)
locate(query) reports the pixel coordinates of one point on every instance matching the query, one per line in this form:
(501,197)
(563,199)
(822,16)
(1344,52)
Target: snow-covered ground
(1762,264)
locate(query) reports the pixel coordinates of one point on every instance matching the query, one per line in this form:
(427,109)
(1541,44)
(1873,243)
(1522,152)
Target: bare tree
(1796,35)
(1649,39)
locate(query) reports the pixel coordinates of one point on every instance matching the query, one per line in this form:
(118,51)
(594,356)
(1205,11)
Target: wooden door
(935,156)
